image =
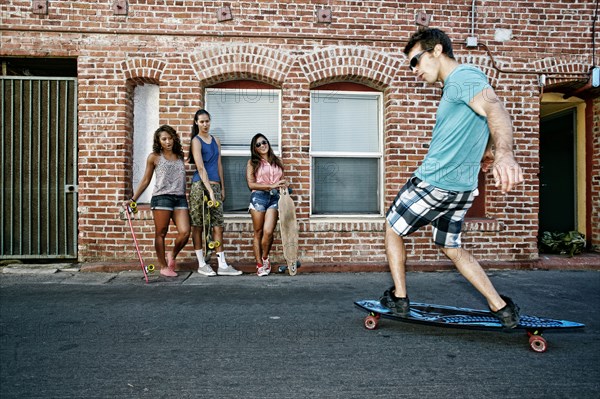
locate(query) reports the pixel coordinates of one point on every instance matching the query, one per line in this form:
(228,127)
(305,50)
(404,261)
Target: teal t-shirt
(460,134)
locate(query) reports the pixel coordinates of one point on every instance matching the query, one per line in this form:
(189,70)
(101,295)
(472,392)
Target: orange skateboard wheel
(537,343)
(371,322)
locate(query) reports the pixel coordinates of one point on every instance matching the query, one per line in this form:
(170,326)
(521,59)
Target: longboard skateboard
(132,208)
(289,231)
(207,228)
(472,319)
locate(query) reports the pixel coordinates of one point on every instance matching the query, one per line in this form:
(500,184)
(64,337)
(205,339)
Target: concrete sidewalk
(586,261)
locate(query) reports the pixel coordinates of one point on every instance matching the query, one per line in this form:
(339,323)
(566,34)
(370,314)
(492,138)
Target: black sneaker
(398,306)
(508,315)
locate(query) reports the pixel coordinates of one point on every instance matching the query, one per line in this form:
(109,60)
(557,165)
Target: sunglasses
(259,143)
(414,61)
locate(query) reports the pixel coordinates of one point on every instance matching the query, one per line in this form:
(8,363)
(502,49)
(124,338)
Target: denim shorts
(419,203)
(262,200)
(168,202)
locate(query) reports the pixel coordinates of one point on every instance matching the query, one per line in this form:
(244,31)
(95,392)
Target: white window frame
(146,104)
(332,154)
(252,130)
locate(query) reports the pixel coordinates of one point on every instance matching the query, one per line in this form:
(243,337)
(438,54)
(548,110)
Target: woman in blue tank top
(205,154)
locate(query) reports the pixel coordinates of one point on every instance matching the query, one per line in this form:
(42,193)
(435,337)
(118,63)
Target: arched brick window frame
(137,72)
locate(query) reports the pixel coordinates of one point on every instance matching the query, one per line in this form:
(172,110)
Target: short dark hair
(428,38)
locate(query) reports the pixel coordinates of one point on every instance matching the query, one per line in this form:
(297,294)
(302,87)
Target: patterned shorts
(419,204)
(197,194)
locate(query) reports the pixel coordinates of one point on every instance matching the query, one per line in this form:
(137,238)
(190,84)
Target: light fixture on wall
(224,14)
(121,7)
(39,7)
(422,19)
(324,15)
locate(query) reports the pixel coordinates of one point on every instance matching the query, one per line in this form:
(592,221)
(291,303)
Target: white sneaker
(267,266)
(260,271)
(206,270)
(228,271)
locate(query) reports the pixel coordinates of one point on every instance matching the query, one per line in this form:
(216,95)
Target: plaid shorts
(197,194)
(419,204)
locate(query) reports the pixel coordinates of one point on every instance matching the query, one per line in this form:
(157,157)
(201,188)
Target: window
(346,151)
(145,122)
(238,111)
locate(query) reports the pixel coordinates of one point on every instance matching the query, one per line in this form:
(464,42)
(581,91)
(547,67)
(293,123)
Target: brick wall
(181,46)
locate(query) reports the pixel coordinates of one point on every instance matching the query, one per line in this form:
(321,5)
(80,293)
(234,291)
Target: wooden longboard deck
(289,230)
(449,316)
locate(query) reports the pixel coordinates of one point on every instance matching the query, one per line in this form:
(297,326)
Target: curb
(587,261)
(545,262)
(22,268)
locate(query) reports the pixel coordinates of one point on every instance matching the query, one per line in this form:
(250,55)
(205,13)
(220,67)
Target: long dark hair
(196,131)
(157,148)
(255,156)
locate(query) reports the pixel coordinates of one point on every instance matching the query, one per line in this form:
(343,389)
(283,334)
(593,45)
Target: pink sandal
(167,272)
(171,263)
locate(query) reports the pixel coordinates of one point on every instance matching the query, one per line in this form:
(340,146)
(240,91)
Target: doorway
(38,168)
(558,196)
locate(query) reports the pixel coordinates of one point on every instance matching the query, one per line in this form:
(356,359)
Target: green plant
(572,242)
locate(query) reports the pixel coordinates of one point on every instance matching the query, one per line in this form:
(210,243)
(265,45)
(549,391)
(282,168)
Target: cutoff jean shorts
(168,202)
(419,204)
(261,201)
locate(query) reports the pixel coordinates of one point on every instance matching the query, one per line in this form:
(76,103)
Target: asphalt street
(110,335)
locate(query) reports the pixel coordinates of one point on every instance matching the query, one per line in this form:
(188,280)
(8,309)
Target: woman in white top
(168,198)
(264,173)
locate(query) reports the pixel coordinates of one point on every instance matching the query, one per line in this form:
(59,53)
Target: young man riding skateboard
(472,128)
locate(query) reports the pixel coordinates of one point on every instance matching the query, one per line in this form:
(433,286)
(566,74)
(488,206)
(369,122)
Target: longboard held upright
(132,208)
(289,231)
(209,244)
